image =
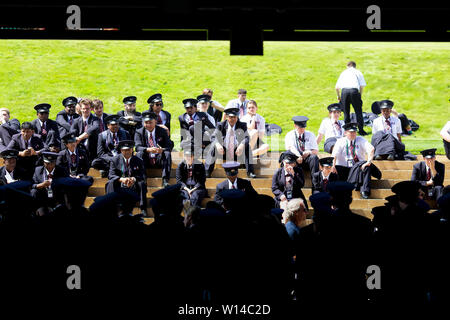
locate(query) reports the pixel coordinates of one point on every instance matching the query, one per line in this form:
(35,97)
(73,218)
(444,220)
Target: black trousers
(351,176)
(352,96)
(211,158)
(140,187)
(41,197)
(163,160)
(101,164)
(447,148)
(311,164)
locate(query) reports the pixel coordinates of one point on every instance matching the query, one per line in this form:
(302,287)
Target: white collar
(230,185)
(323,176)
(46,171)
(74,152)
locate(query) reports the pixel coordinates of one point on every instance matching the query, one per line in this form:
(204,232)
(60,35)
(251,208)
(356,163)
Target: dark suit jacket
(161,137)
(168,118)
(242,184)
(93,131)
(117,168)
(7,130)
(18,144)
(420,173)
(18,174)
(52,137)
(317,180)
(38,176)
(105,143)
(279,184)
(240,131)
(62,119)
(198,174)
(82,165)
(204,120)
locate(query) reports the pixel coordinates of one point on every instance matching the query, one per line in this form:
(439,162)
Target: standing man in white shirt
(256,126)
(349,162)
(387,134)
(331,127)
(239,103)
(303,144)
(445,134)
(349,88)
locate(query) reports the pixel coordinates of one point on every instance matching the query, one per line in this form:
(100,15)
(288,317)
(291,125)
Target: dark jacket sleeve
(179,175)
(218,198)
(36,178)
(140,173)
(13,144)
(249,190)
(138,141)
(416,174)
(62,122)
(163,139)
(114,172)
(438,179)
(201,179)
(299,179)
(316,182)
(275,185)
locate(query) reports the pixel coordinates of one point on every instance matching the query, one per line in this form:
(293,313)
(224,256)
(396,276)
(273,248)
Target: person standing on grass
(349,88)
(239,103)
(215,108)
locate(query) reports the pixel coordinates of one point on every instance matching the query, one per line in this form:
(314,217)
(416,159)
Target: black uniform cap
(112,119)
(231,111)
(428,153)
(231,168)
(9,153)
(49,156)
(157,97)
(190,102)
(287,157)
(149,115)
(326,162)
(68,138)
(42,108)
(125,144)
(69,101)
(378,105)
(129,100)
(203,98)
(351,126)
(334,107)
(300,121)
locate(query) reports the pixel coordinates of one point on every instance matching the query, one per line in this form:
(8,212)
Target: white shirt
(195,117)
(9,176)
(291,139)
(47,173)
(236,103)
(260,121)
(379,124)
(211,119)
(447,127)
(162,115)
(230,185)
(323,176)
(362,148)
(329,130)
(350,78)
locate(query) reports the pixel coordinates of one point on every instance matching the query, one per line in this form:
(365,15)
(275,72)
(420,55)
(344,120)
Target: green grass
(292,78)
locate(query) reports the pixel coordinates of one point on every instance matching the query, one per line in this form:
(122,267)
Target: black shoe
(208,174)
(165,182)
(364,195)
(379,157)
(251,175)
(362,133)
(390,157)
(103,173)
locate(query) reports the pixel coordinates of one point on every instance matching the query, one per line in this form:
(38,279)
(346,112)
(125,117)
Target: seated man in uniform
(430,173)
(324,176)
(153,146)
(194,127)
(47,128)
(156,104)
(303,144)
(231,141)
(97,106)
(288,180)
(256,126)
(445,134)
(8,128)
(74,158)
(349,162)
(30,147)
(215,109)
(127,171)
(86,128)
(387,134)
(130,119)
(10,172)
(331,127)
(233,182)
(107,144)
(191,175)
(42,181)
(203,103)
(65,118)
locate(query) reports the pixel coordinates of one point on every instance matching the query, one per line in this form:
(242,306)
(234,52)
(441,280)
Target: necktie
(301,141)
(151,145)
(428,174)
(70,120)
(256,124)
(73,157)
(352,151)
(233,187)
(128,167)
(26,144)
(101,125)
(43,129)
(191,120)
(388,125)
(230,147)
(241,109)
(114,139)
(288,181)
(325,183)
(50,176)
(190,172)
(338,126)
(159,120)
(85,126)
